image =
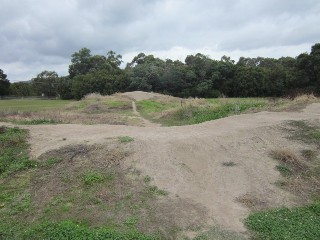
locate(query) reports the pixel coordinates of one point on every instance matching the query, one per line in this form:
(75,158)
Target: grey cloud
(33,33)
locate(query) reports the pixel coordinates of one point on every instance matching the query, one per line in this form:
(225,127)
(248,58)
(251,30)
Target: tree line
(198,76)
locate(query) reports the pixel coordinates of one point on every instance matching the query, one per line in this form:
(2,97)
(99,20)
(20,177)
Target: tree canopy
(197,76)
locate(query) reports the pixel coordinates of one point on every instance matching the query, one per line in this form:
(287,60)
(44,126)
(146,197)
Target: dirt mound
(139,95)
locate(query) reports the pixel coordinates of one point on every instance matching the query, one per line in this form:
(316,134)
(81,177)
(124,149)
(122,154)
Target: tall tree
(46,83)
(80,62)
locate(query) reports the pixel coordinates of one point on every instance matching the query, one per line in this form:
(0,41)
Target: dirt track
(188,161)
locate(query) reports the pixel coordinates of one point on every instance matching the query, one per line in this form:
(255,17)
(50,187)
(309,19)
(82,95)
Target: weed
(284,170)
(154,190)
(131,221)
(147,179)
(66,207)
(91,177)
(229,164)
(125,139)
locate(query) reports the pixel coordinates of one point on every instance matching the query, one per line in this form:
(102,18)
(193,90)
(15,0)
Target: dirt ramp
(220,173)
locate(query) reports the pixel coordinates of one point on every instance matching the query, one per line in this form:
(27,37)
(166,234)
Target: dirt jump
(217,165)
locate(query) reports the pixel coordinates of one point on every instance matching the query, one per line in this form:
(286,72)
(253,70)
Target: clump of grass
(14,151)
(229,164)
(251,201)
(305,132)
(296,223)
(284,170)
(154,190)
(93,96)
(125,139)
(147,179)
(92,177)
(309,154)
(287,157)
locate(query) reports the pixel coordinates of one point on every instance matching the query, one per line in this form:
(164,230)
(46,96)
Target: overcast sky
(37,35)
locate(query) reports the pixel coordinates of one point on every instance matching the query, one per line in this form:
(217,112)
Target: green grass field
(31,105)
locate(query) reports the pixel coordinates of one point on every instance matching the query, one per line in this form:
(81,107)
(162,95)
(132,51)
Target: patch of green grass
(154,190)
(31,105)
(67,230)
(92,177)
(37,122)
(14,151)
(146,107)
(50,162)
(300,223)
(284,170)
(125,139)
(198,114)
(21,203)
(131,222)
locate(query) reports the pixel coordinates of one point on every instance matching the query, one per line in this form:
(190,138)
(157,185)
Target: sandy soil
(188,161)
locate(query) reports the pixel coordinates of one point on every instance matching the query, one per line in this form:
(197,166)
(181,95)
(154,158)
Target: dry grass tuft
(287,156)
(93,96)
(305,98)
(251,201)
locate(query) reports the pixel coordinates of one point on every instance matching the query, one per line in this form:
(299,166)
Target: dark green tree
(4,84)
(64,88)
(21,89)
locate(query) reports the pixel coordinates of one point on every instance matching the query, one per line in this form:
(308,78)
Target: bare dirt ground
(213,164)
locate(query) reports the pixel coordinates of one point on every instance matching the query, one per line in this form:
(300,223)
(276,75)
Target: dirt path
(188,161)
(145,121)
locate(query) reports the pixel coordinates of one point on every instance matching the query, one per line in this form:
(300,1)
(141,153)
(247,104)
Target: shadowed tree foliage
(21,89)
(4,84)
